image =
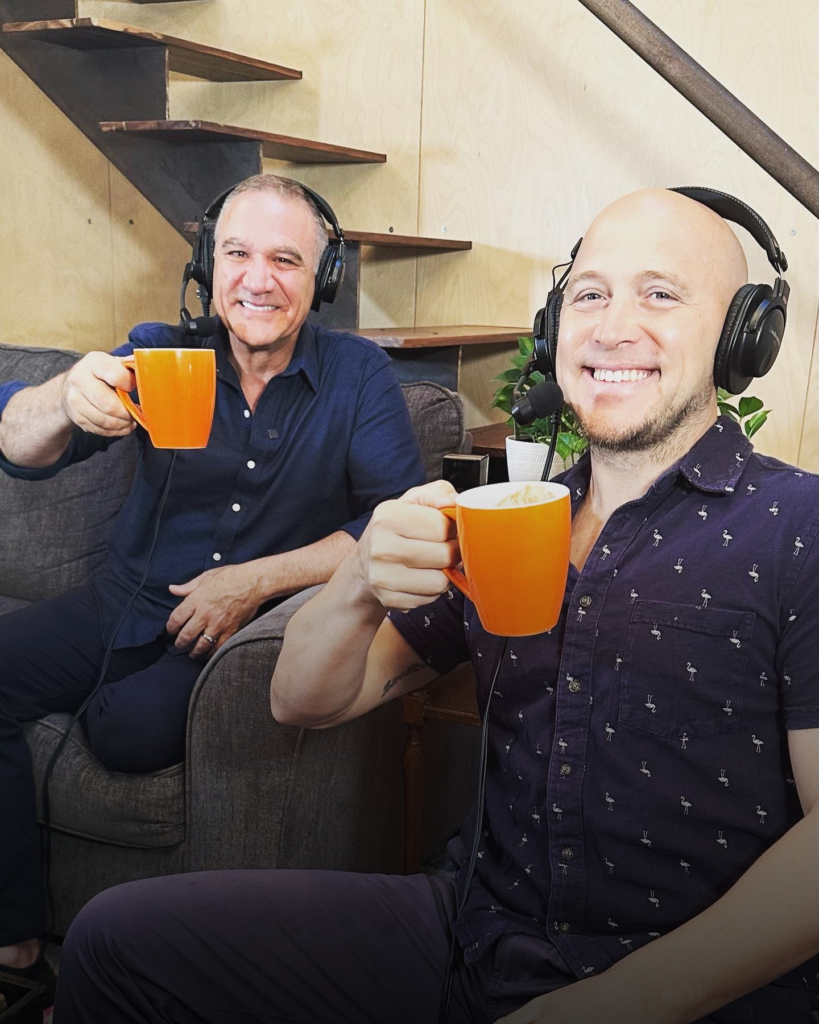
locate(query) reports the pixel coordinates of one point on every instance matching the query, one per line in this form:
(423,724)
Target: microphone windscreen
(201,326)
(545,399)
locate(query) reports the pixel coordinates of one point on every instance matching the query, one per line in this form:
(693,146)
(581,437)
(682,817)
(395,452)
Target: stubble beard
(657,437)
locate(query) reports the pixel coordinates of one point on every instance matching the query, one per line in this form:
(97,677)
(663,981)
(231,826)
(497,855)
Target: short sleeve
(82,444)
(797,654)
(436,631)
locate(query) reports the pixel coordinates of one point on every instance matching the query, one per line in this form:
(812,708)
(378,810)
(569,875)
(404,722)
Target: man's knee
(124,739)
(121,746)
(97,931)
(137,724)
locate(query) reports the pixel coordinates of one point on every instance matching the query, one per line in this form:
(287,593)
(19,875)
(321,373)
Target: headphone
(754,324)
(329,275)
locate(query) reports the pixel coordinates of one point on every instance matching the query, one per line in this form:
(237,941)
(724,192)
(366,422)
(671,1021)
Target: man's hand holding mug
(513,538)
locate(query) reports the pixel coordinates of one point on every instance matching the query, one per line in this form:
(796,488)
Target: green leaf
(728,410)
(749,405)
(755,422)
(562,449)
(526,345)
(519,361)
(572,442)
(509,376)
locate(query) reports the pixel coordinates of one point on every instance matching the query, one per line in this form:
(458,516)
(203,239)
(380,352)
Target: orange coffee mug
(177,392)
(515,556)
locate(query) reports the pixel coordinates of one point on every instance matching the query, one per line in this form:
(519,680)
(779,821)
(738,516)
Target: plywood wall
(508,123)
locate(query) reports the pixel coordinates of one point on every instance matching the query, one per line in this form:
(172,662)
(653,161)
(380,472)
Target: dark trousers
(308,947)
(50,657)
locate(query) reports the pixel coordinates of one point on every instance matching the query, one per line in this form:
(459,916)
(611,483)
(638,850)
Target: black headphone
(329,275)
(754,324)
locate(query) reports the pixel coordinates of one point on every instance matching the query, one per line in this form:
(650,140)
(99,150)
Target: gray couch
(251,793)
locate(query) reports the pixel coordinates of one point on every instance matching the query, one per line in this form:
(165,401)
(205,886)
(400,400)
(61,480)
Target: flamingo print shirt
(638,759)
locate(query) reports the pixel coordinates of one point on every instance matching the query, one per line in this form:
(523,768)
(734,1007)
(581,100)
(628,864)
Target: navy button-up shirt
(638,760)
(330,438)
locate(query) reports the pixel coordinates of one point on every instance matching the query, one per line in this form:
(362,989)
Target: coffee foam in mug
(531,494)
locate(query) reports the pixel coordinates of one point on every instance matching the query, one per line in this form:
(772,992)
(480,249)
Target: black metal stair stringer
(125,83)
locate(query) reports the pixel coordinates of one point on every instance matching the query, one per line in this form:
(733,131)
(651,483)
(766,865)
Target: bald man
(648,852)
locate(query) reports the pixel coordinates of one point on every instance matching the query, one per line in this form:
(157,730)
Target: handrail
(720,106)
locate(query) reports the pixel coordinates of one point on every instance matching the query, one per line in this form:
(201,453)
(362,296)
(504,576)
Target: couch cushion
(53,533)
(87,800)
(438,418)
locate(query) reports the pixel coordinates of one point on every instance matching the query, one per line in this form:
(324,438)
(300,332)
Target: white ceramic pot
(525,460)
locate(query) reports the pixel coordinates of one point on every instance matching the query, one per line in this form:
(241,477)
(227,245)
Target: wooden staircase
(112,81)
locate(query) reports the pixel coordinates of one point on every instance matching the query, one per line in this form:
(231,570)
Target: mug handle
(134,409)
(455,576)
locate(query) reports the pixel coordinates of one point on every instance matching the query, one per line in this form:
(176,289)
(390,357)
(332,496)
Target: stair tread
(382,240)
(276,147)
(440,337)
(389,240)
(184,56)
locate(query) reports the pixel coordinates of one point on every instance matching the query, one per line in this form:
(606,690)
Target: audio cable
(100,680)
(446,994)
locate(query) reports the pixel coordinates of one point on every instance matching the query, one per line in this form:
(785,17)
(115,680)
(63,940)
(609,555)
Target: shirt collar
(718,459)
(713,465)
(304,359)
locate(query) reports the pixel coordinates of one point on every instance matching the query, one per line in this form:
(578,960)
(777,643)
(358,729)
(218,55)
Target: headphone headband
(731,208)
(313,198)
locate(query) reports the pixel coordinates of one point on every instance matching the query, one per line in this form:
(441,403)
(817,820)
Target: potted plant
(527,447)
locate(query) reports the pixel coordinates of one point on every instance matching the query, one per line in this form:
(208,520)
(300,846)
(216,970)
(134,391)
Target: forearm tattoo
(403,675)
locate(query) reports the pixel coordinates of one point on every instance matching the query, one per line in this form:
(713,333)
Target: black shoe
(41,973)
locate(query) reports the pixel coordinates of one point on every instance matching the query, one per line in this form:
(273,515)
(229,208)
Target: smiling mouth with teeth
(620,376)
(254,306)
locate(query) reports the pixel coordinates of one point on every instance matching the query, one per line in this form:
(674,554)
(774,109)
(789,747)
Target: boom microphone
(538,403)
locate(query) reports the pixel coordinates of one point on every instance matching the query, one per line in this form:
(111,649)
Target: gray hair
(288,189)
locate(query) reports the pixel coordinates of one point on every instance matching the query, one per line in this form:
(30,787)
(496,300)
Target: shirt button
(565,769)
(564,928)
(574,686)
(567,853)
(585,601)
(251,464)
(236,507)
(247,414)
(217,557)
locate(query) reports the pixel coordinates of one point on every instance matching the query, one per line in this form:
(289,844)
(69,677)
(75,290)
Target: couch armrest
(260,794)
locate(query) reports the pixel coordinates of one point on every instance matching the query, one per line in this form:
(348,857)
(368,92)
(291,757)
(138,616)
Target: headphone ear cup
(322,276)
(728,369)
(202,269)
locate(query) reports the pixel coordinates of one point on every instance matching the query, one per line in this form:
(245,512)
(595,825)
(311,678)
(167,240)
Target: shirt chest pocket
(683,669)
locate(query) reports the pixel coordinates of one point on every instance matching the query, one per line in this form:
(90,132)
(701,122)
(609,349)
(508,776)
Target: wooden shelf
(276,147)
(184,56)
(440,337)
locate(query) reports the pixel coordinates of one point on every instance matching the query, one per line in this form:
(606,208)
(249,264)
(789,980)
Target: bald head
(694,236)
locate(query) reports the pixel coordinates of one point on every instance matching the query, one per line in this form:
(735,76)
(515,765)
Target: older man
(647,856)
(310,433)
